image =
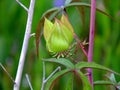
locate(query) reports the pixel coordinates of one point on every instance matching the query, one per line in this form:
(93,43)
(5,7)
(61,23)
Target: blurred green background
(12,27)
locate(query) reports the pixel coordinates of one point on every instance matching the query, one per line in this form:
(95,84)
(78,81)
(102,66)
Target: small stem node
(32,35)
(30,12)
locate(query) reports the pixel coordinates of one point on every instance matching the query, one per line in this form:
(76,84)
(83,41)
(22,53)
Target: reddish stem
(91,38)
(80,44)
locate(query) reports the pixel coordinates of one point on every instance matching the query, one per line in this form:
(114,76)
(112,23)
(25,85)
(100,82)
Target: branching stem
(45,80)
(26,9)
(25,44)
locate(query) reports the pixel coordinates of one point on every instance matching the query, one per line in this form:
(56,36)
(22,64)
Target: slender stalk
(57,69)
(29,83)
(46,79)
(80,44)
(25,46)
(22,5)
(43,81)
(7,73)
(91,38)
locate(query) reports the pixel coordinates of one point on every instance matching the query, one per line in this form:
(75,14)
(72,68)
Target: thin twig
(29,83)
(45,80)
(7,73)
(25,45)
(43,83)
(91,38)
(81,45)
(26,9)
(57,69)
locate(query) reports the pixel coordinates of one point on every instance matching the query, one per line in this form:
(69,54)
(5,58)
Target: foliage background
(12,27)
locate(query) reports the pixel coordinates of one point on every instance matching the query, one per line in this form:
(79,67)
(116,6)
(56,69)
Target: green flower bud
(59,35)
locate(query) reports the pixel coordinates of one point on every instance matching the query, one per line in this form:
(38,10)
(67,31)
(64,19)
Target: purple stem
(91,38)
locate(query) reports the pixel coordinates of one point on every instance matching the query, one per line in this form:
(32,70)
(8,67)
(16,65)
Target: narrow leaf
(69,83)
(49,12)
(85,81)
(103,83)
(50,83)
(93,65)
(78,4)
(62,61)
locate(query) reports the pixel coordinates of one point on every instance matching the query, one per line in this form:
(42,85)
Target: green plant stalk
(91,38)
(44,81)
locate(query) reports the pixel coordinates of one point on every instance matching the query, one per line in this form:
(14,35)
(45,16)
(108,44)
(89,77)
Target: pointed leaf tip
(65,21)
(48,25)
(63,61)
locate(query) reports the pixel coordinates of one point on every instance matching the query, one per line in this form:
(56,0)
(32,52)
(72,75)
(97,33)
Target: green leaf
(62,61)
(85,81)
(78,4)
(93,65)
(69,83)
(49,12)
(49,85)
(103,83)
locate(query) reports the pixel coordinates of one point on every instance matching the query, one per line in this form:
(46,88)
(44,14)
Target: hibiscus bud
(59,35)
